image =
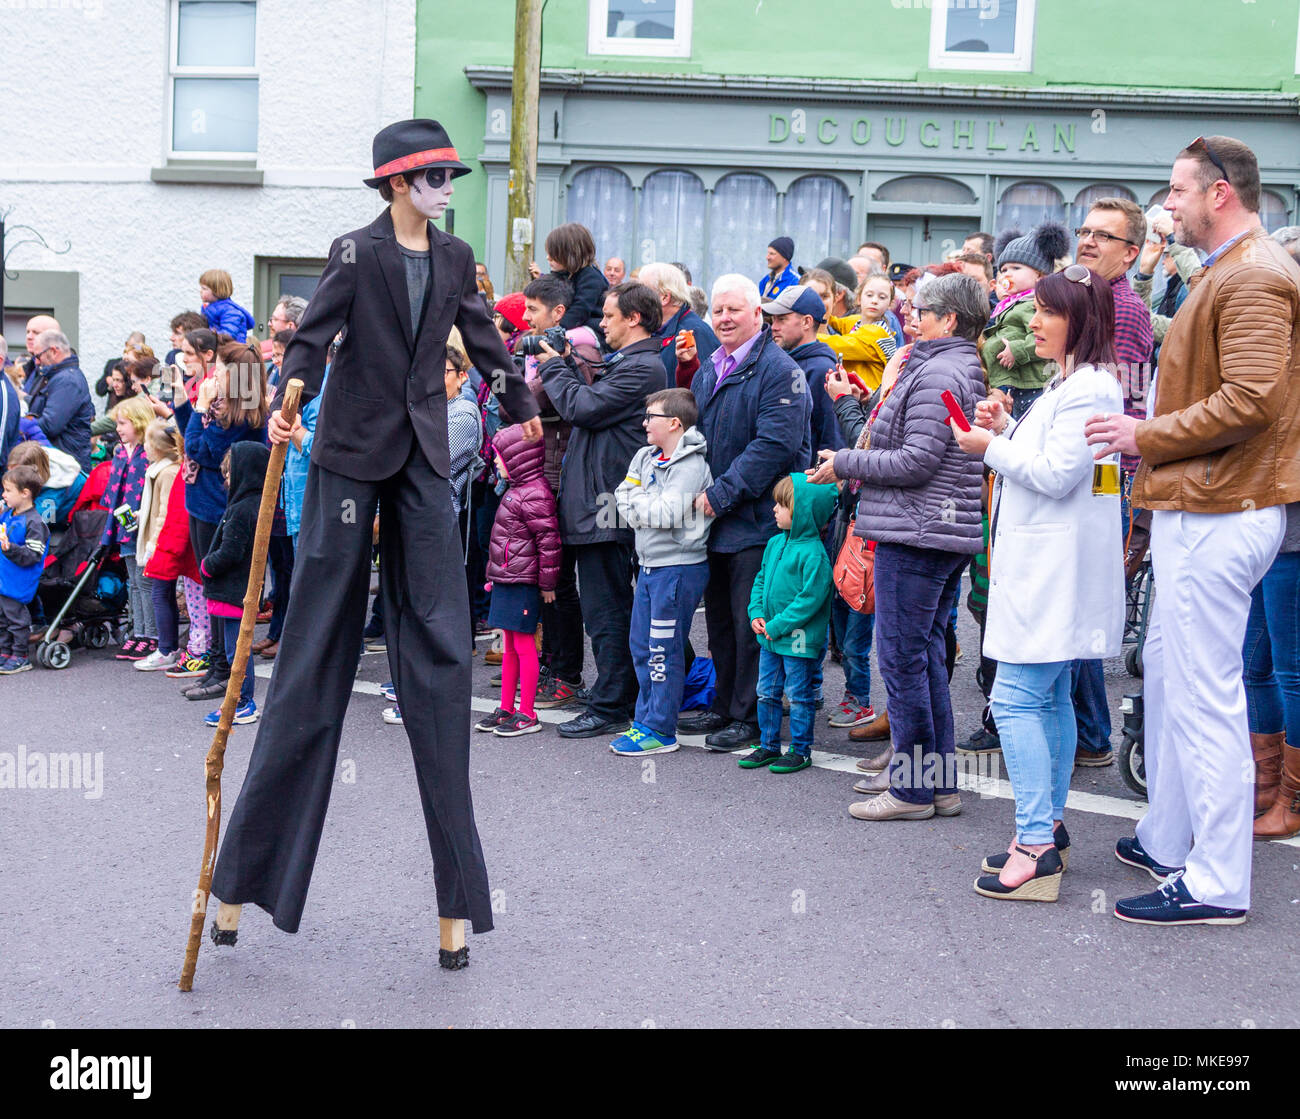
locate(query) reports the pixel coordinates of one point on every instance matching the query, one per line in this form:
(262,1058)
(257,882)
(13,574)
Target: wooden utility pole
(524,95)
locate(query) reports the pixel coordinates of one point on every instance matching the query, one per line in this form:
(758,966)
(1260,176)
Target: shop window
(925,189)
(1273,211)
(658,28)
(976,35)
(214,82)
(818,213)
(671,225)
(742,220)
(1085,199)
(602,199)
(1025,205)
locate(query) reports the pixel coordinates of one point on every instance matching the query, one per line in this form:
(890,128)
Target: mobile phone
(856,380)
(954,410)
(688,338)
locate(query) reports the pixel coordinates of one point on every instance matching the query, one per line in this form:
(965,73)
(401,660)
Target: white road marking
(1078,801)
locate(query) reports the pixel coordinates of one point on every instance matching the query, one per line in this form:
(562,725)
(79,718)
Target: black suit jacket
(386,387)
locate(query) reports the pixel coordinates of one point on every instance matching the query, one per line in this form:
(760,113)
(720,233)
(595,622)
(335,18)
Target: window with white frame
(657,28)
(982,35)
(214,82)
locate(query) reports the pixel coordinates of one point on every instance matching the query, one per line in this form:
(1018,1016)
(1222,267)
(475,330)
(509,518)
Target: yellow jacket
(860,347)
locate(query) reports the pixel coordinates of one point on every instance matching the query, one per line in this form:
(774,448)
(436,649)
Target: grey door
(919,240)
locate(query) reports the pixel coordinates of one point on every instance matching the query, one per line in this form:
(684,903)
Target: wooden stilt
(452,951)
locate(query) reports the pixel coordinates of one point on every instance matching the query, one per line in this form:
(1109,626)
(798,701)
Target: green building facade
(697,130)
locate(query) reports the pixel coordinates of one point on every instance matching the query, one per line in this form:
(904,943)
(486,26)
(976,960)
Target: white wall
(83,119)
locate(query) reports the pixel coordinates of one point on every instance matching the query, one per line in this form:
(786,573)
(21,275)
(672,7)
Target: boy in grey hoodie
(657,500)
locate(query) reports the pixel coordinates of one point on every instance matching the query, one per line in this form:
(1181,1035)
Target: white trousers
(1200,772)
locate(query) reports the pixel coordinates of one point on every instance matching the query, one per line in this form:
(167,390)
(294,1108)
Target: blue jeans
(232,639)
(1035,717)
(915,592)
(662,609)
(853,635)
(1091,707)
(777,674)
(1271,652)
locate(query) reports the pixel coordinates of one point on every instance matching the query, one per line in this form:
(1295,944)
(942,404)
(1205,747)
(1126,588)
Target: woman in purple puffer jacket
(523,568)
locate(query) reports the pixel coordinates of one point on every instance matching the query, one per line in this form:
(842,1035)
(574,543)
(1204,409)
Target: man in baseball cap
(796,314)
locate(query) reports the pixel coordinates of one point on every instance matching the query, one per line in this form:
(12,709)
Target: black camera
(532,343)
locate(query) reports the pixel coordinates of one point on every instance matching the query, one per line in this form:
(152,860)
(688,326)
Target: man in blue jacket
(674,292)
(780,272)
(796,314)
(755,413)
(59,397)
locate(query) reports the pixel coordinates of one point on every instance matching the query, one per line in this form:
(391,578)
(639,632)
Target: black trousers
(562,650)
(15,627)
(605,574)
(732,644)
(279,558)
(270,845)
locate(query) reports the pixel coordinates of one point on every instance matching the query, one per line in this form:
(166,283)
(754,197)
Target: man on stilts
(394,289)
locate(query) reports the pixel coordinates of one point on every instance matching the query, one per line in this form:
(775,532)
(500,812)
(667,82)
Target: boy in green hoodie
(789,612)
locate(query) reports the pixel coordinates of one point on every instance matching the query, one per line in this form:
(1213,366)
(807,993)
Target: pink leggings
(518,666)
(197,607)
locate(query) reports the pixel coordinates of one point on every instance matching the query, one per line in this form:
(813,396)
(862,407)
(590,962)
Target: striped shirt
(1133,346)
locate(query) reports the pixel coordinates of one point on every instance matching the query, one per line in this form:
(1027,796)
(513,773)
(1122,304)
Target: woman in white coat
(1056,578)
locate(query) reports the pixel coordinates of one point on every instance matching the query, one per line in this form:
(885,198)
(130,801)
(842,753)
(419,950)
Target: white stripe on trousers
(1200,774)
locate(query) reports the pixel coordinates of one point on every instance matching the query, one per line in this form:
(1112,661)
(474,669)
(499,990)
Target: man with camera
(546,299)
(606,418)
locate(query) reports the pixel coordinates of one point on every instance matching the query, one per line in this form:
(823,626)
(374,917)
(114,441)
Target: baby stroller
(84,587)
(1140,594)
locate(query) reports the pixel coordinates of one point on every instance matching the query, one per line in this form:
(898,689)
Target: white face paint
(431,191)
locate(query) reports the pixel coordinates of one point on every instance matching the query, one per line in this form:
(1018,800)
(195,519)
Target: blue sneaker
(388,691)
(244,713)
(14,664)
(638,740)
(1172,904)
(1130,851)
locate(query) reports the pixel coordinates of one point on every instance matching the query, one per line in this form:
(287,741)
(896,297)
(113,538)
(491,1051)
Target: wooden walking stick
(228,915)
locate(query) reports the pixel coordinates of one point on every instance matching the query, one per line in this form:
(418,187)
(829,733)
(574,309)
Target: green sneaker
(755,759)
(637,740)
(791,762)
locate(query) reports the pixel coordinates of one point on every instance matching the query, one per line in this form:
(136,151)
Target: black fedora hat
(413,145)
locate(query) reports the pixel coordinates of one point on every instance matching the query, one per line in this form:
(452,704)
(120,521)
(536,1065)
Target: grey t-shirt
(418,272)
(1291,538)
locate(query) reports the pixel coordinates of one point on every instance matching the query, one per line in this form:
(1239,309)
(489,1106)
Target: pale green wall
(1212,44)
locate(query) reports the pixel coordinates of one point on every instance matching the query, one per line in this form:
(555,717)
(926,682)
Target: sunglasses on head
(1079,273)
(1204,145)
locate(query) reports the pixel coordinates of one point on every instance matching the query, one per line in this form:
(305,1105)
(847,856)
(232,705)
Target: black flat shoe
(1045,885)
(706,722)
(734,736)
(994,863)
(591,725)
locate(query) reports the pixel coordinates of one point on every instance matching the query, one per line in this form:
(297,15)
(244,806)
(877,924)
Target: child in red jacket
(523,567)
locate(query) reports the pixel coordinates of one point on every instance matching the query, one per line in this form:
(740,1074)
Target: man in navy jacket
(796,314)
(59,397)
(755,413)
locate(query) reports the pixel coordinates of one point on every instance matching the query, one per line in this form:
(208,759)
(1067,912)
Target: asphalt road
(676,891)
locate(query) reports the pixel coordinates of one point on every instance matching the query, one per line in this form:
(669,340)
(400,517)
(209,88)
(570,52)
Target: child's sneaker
(554,692)
(133,649)
(489,723)
(758,758)
(388,691)
(244,713)
(393,715)
(518,723)
(192,664)
(790,762)
(850,714)
(641,740)
(14,664)
(157,662)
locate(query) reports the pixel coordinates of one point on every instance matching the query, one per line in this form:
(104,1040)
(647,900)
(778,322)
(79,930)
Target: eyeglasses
(1101,236)
(1079,273)
(919,311)
(645,419)
(1204,145)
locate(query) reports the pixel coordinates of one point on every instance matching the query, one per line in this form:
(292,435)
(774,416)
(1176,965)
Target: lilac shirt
(736,359)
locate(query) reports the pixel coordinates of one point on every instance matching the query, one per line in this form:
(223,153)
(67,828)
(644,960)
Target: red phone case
(954,410)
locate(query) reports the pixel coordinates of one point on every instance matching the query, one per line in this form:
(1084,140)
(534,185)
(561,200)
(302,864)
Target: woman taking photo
(1056,575)
(920,501)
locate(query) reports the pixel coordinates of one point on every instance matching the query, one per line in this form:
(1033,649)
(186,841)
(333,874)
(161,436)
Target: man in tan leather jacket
(1220,458)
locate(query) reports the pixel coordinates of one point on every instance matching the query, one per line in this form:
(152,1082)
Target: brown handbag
(854,572)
